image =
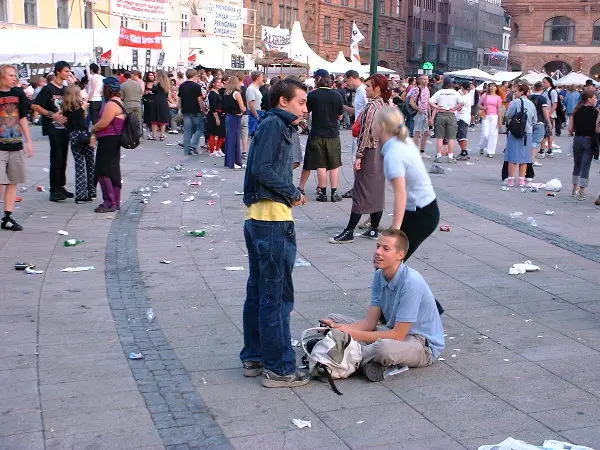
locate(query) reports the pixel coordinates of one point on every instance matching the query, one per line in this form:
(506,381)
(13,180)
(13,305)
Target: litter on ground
(302,423)
(521,268)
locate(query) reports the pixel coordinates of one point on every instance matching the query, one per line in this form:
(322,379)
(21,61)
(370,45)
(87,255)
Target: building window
(381,6)
(3,11)
(270,14)
(163,27)
(388,37)
(596,33)
(340,30)
(344,2)
(88,20)
(367,5)
(125,23)
(144,25)
(184,21)
(62,13)
(30,8)
(327,28)
(559,29)
(397,7)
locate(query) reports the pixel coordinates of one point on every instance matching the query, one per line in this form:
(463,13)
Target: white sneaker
(425,156)
(554,145)
(219,153)
(173,132)
(537,164)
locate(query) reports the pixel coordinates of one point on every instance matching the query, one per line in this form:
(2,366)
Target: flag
(105,57)
(357,36)
(192,58)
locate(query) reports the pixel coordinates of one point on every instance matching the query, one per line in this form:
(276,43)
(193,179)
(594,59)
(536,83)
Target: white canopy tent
(574,78)
(300,51)
(502,75)
(475,74)
(534,77)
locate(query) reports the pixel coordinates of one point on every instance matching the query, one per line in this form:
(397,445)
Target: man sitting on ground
(413,335)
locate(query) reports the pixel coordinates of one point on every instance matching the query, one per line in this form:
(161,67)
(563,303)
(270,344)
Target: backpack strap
(120,105)
(326,372)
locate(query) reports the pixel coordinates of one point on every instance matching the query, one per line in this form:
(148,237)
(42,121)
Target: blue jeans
(269,295)
(582,160)
(233,144)
(193,128)
(410,123)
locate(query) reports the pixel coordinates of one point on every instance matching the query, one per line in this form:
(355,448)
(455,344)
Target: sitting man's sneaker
(272,380)
(253,368)
(8,223)
(374,371)
(371,233)
(345,237)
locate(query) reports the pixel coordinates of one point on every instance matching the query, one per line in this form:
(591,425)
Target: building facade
(45,14)
(327,26)
(553,37)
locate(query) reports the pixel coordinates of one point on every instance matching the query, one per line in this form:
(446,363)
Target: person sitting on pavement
(413,335)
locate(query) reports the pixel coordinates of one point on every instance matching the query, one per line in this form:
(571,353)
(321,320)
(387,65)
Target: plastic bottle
(150,314)
(394,371)
(531,221)
(199,233)
(73,242)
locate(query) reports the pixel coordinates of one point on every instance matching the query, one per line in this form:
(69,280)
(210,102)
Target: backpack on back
(132,130)
(331,354)
(517,123)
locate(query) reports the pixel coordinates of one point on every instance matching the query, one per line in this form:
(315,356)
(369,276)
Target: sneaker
(549,153)
(195,151)
(253,368)
(57,196)
(510,181)
(371,233)
(579,195)
(335,197)
(555,145)
(522,182)
(272,380)
(574,192)
(537,164)
(220,153)
(173,132)
(451,160)
(348,194)
(463,157)
(104,209)
(425,155)
(436,170)
(181,144)
(374,371)
(345,237)
(321,197)
(489,155)
(597,202)
(8,223)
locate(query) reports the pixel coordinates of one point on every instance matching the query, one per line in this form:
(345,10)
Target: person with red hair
(369,179)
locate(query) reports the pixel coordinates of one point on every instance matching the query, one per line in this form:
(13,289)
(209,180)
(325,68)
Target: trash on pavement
(552,185)
(165,261)
(150,314)
(505,188)
(521,268)
(45,169)
(134,355)
(195,183)
(302,263)
(531,221)
(147,195)
(435,169)
(445,228)
(199,174)
(22,265)
(514,444)
(189,199)
(211,203)
(73,242)
(551,194)
(32,271)
(63,232)
(394,371)
(165,177)
(470,163)
(549,212)
(515,214)
(302,423)
(198,233)
(238,193)
(165,185)
(166,202)
(78,269)
(41,189)
(295,343)
(144,201)
(234,268)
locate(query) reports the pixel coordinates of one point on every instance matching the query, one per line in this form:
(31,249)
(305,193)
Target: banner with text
(224,20)
(276,39)
(141,9)
(140,39)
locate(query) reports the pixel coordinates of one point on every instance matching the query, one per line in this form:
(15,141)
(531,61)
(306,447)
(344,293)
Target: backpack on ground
(331,354)
(518,122)
(132,129)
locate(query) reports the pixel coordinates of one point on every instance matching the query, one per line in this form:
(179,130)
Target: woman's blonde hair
(72,99)
(391,121)
(163,81)
(233,84)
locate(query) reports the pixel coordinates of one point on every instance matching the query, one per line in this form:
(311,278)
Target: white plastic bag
(553,185)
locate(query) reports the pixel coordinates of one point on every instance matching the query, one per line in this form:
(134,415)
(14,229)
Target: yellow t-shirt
(269,211)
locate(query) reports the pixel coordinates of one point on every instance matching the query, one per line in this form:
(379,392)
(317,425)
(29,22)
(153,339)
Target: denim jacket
(270,163)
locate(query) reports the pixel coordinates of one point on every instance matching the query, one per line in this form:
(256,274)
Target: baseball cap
(321,73)
(112,83)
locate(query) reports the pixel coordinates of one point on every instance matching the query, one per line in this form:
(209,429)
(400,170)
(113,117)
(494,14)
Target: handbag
(482,112)
(356,126)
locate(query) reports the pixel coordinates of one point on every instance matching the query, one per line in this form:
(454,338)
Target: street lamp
(375,37)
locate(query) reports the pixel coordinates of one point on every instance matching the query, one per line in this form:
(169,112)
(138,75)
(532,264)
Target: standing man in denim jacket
(269,194)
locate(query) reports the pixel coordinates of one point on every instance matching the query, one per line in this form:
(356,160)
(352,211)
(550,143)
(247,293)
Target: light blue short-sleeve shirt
(407,298)
(403,159)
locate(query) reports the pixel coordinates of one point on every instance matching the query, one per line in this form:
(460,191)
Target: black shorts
(322,152)
(462,130)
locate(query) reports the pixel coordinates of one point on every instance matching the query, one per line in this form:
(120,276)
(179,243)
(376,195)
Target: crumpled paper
(521,268)
(514,444)
(302,423)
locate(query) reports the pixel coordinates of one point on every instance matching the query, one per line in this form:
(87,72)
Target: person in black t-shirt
(14,128)
(323,148)
(190,96)
(49,103)
(74,109)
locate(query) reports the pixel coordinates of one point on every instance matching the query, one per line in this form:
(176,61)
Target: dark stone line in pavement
(166,392)
(589,252)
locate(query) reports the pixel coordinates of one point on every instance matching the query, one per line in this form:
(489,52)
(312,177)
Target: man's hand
(29,149)
(93,142)
(59,118)
(218,122)
(300,202)
(329,323)
(357,164)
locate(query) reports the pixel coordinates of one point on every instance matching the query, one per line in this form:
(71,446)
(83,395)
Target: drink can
(445,228)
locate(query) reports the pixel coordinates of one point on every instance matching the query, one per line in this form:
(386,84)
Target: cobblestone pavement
(522,355)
